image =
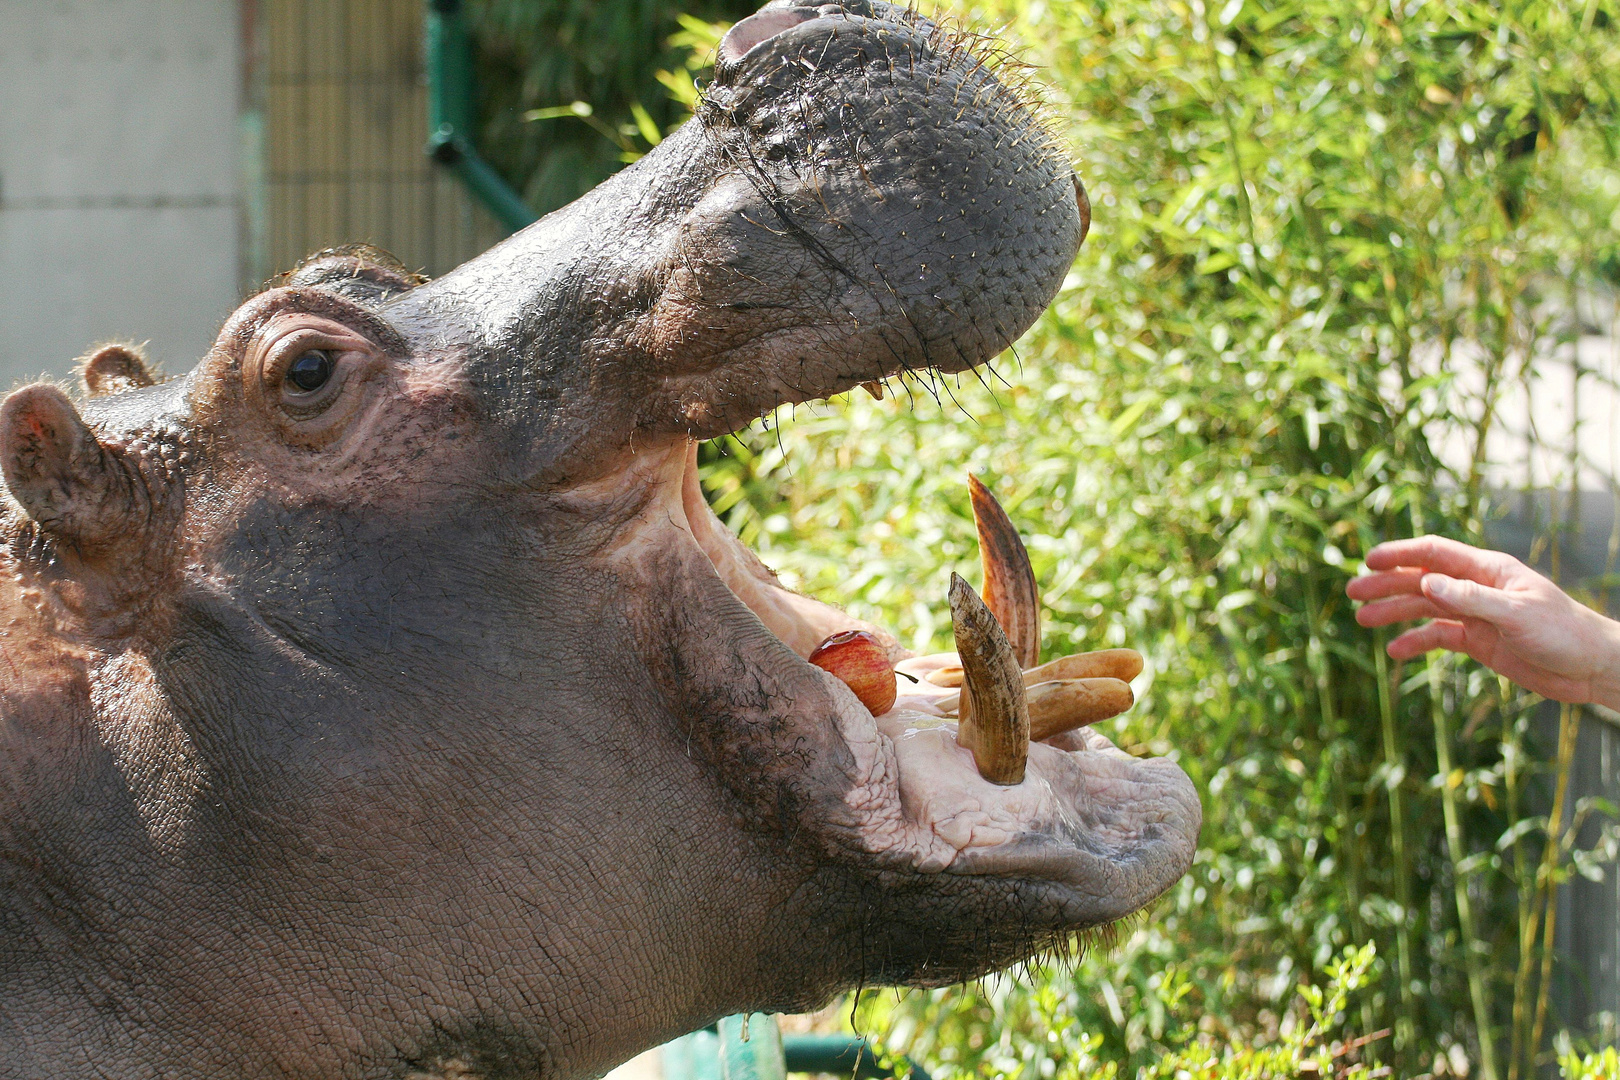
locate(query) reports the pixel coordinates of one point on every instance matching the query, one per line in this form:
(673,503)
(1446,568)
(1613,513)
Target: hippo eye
(310,371)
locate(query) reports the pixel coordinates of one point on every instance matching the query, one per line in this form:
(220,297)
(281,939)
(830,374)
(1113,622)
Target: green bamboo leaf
(1133,412)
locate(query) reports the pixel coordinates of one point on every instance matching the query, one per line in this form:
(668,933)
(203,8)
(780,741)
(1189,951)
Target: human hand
(1497,610)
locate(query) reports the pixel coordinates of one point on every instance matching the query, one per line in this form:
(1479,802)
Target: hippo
(381,698)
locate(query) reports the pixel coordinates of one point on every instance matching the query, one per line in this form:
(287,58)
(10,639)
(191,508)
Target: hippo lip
(1099,832)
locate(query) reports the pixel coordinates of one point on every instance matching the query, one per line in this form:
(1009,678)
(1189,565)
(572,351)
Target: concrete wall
(118,178)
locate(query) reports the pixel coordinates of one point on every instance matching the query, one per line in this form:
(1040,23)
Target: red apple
(856,657)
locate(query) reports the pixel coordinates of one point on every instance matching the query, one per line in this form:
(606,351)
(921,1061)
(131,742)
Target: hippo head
(382,692)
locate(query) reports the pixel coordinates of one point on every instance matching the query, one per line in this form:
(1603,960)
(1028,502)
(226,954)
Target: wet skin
(381,695)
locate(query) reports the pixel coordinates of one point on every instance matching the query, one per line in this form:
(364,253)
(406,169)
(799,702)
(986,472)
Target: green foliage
(1299,1051)
(538,58)
(1600,1066)
(1005,1031)
(1037,1033)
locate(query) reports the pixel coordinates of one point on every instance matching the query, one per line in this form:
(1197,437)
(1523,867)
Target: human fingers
(1437,553)
(1439,634)
(1389,583)
(1457,597)
(1399,609)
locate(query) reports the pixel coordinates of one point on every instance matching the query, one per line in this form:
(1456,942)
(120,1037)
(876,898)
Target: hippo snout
(857,197)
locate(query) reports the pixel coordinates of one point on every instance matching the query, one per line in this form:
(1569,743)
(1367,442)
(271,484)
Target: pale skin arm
(1498,611)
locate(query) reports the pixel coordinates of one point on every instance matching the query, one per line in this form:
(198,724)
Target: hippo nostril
(1084,202)
(758,28)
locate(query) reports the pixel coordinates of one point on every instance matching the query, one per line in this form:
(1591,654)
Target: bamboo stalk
(1394,762)
(1527,1033)
(1316,657)
(1233,144)
(1569,721)
(1512,755)
(1569,729)
(1323,676)
(1478,994)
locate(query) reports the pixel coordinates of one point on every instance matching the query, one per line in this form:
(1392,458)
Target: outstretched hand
(1497,610)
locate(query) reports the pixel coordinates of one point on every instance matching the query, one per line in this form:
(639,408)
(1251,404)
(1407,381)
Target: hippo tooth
(1009,580)
(1065,704)
(1121,664)
(993,716)
(875,388)
(1060,705)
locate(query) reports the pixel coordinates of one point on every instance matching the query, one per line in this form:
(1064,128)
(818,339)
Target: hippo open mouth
(1092,832)
(1100,831)
(385,688)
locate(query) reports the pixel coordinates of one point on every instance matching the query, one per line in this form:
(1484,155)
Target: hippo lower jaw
(1095,832)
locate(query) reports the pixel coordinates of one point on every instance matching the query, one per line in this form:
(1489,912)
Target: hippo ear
(56,470)
(112,369)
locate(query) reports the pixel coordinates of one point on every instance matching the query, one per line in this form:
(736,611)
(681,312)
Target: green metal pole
(451,113)
(751,1048)
(721,1053)
(839,1055)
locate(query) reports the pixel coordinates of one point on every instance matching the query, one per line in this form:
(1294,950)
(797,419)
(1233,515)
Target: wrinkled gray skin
(409,721)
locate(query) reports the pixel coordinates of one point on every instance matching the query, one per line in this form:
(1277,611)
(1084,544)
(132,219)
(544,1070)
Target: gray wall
(118,178)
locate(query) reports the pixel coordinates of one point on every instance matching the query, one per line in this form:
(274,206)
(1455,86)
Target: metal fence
(338,110)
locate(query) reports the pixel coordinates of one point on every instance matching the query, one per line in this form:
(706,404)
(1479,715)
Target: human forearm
(1606,667)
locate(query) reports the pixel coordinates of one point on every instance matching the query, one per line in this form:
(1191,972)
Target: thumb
(1468,598)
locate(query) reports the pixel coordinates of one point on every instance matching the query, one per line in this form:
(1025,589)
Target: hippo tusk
(1066,704)
(1060,705)
(1009,580)
(1121,664)
(996,727)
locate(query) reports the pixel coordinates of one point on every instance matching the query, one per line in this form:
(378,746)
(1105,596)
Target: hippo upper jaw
(858,196)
